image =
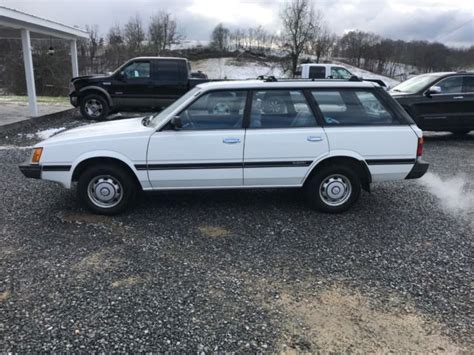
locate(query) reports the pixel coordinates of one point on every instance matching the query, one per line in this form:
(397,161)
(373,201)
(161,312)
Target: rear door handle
(458,97)
(314,138)
(231,140)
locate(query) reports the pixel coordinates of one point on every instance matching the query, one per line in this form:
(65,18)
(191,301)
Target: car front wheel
(333,189)
(106,189)
(94,107)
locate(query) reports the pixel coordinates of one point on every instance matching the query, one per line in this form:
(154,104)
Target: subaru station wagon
(331,138)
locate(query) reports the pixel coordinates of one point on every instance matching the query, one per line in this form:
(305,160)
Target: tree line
(304,36)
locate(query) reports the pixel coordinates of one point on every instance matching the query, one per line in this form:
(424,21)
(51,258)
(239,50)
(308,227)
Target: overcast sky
(447,21)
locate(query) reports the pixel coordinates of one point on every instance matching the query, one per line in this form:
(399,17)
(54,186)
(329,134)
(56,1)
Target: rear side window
(347,107)
(169,70)
(469,84)
(280,109)
(317,72)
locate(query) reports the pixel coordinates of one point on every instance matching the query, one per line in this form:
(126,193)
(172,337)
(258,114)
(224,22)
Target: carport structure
(15,24)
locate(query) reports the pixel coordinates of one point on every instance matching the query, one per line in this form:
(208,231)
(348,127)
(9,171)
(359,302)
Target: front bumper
(74,101)
(32,171)
(418,170)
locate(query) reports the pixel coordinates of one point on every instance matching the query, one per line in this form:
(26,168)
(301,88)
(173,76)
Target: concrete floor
(15,112)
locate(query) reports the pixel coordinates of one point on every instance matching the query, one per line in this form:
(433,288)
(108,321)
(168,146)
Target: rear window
(346,107)
(169,70)
(317,72)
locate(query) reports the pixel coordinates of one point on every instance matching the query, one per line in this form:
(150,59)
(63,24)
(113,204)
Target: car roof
(154,58)
(297,84)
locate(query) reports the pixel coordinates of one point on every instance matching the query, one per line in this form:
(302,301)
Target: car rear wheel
(94,107)
(333,189)
(107,189)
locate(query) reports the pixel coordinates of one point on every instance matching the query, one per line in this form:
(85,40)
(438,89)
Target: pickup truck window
(340,73)
(169,70)
(137,70)
(346,107)
(317,73)
(469,84)
(280,109)
(215,110)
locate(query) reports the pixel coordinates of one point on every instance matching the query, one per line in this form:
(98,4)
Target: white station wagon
(331,138)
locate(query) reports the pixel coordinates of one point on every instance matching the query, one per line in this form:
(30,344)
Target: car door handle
(314,138)
(458,97)
(231,140)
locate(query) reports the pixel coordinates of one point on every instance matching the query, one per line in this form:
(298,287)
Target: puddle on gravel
(339,320)
(129,281)
(213,231)
(101,261)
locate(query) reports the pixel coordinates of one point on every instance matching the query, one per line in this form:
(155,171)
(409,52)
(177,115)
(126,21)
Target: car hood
(127,127)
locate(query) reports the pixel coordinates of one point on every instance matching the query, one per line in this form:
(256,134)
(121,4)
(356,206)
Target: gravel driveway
(239,270)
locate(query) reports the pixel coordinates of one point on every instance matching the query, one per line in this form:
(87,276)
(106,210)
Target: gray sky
(447,21)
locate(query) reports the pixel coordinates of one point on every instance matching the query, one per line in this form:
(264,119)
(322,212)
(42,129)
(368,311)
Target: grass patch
(50,100)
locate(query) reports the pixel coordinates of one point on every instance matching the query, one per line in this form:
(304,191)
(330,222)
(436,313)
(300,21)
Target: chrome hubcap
(93,108)
(105,191)
(274,106)
(335,190)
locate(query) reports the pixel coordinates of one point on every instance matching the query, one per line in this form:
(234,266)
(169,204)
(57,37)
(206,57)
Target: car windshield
(415,84)
(159,117)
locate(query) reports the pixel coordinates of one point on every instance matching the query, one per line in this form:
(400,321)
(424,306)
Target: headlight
(35,158)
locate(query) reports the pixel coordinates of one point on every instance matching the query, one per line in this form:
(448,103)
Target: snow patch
(44,134)
(230,68)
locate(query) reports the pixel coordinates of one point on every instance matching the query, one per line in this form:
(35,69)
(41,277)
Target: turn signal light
(419,149)
(36,155)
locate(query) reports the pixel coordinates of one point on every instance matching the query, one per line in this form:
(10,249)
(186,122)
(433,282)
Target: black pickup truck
(143,83)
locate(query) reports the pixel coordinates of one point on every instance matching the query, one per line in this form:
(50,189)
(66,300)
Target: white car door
(207,151)
(283,139)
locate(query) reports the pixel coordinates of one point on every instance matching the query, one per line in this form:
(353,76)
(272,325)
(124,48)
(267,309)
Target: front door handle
(231,140)
(458,97)
(314,138)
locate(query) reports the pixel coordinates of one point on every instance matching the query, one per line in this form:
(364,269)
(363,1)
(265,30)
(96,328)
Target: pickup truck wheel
(333,189)
(94,107)
(107,189)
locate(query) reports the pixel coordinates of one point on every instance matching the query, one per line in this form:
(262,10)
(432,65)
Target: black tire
(460,131)
(94,107)
(107,177)
(336,177)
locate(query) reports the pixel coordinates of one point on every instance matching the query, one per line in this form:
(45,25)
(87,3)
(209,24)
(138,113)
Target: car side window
(346,107)
(451,85)
(340,73)
(468,84)
(215,110)
(317,73)
(168,70)
(137,70)
(280,109)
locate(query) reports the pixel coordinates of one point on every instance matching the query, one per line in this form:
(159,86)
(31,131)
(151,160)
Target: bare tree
(92,44)
(114,50)
(134,34)
(220,38)
(322,43)
(163,31)
(299,26)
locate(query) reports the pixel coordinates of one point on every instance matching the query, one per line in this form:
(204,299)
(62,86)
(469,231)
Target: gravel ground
(238,270)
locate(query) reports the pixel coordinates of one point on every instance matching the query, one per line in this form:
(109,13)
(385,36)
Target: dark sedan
(439,101)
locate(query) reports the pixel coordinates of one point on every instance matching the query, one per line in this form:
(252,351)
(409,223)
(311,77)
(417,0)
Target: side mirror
(434,90)
(176,123)
(121,76)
